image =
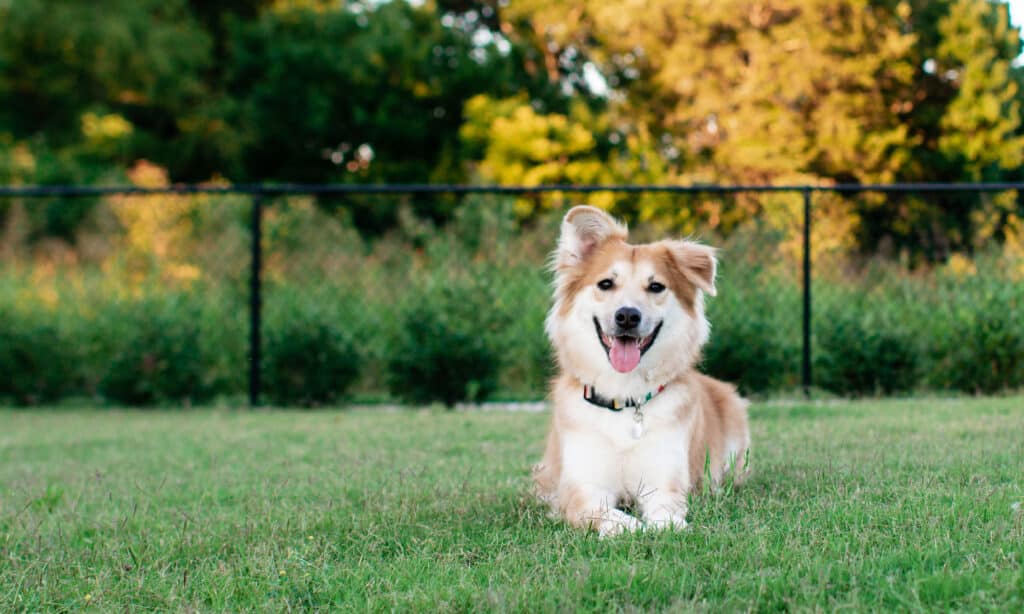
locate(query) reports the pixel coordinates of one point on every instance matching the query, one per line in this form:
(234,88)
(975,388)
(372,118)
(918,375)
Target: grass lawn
(880,505)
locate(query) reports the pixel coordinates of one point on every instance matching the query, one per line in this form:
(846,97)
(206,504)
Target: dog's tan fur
(696,425)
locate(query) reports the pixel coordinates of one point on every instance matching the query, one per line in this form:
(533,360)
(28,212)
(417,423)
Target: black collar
(591,396)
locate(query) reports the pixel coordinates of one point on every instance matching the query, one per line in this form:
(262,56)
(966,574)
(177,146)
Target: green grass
(904,505)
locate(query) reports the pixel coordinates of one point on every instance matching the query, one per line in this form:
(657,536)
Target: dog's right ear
(583,229)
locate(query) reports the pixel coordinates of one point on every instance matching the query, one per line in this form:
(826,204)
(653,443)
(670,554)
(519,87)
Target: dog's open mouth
(624,351)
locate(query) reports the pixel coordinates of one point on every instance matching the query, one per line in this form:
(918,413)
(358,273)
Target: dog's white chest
(608,452)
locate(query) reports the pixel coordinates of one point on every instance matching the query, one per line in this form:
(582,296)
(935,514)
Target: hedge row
(448,341)
(481,335)
(905,334)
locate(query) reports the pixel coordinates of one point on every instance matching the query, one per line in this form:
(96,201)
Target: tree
(373,94)
(962,112)
(517,145)
(59,59)
(813,90)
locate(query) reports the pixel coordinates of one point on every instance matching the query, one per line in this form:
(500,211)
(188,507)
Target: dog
(634,423)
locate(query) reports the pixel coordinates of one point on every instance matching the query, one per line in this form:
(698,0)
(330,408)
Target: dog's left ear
(696,262)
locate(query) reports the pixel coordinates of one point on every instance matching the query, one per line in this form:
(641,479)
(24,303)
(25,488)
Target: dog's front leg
(590,486)
(664,507)
(593,508)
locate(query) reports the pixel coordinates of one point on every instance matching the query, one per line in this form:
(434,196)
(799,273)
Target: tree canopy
(685,91)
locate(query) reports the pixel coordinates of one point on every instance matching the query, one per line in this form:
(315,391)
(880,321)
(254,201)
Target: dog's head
(627,315)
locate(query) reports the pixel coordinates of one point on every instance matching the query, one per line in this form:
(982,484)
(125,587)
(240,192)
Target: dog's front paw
(671,522)
(616,522)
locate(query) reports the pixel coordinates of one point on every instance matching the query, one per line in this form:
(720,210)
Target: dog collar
(591,396)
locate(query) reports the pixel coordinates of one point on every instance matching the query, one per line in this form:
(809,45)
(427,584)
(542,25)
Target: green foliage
(527,363)
(853,91)
(86,88)
(756,348)
(485,231)
(310,355)
(456,312)
(444,349)
(60,58)
(963,117)
(158,356)
(530,92)
(859,350)
(36,365)
(49,217)
(142,64)
(242,89)
(387,105)
(978,339)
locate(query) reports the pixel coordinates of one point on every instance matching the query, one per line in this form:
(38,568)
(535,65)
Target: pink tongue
(625,355)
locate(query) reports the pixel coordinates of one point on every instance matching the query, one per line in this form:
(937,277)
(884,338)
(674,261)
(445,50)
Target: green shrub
(35,363)
(310,358)
(445,349)
(749,353)
(224,346)
(524,297)
(158,356)
(460,317)
(860,351)
(755,339)
(978,343)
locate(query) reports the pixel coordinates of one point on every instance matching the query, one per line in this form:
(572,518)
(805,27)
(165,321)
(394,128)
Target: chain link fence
(331,294)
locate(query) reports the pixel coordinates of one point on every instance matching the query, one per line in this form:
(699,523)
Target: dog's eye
(605,284)
(655,287)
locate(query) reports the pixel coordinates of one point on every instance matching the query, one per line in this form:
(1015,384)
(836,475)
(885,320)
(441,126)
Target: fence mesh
(425,294)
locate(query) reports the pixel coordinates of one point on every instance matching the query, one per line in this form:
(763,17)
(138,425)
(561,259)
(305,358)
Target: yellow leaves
(532,137)
(578,139)
(182,273)
(1014,238)
(479,114)
(105,128)
(537,173)
(145,174)
(22,162)
(157,227)
(43,295)
(290,6)
(790,84)
(981,122)
(996,215)
(522,134)
(523,146)
(48,296)
(961,266)
(422,90)
(105,134)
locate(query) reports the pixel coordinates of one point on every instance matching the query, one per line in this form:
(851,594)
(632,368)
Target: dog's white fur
(592,462)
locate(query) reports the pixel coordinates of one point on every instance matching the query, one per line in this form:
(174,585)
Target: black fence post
(806,376)
(256,301)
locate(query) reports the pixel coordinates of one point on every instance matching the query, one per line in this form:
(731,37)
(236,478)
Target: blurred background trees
(142,299)
(668,91)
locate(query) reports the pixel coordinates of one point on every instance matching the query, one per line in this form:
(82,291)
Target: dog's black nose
(627,317)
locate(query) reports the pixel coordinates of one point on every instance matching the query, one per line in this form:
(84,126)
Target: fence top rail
(70,191)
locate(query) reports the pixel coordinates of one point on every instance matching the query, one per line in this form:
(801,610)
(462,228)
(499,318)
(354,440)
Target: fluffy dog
(634,423)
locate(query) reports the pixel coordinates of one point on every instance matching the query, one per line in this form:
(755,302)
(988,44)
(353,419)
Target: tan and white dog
(634,422)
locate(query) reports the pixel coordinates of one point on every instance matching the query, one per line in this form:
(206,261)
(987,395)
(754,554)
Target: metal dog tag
(638,425)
